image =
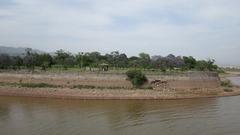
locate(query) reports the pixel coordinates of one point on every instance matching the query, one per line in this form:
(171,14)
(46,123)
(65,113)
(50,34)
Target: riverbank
(99,86)
(65,93)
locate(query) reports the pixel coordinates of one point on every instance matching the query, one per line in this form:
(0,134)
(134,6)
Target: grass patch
(29,85)
(38,85)
(45,85)
(7,84)
(105,87)
(95,87)
(146,87)
(84,87)
(228,90)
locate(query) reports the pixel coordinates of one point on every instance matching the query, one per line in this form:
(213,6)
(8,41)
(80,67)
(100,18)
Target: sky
(200,28)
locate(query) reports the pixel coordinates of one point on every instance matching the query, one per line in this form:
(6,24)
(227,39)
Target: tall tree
(29,60)
(17,62)
(134,62)
(144,60)
(62,57)
(122,60)
(44,60)
(5,61)
(190,62)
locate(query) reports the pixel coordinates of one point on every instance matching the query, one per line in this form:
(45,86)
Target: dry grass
(111,81)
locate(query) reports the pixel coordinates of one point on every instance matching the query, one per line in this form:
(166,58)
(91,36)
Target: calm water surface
(36,116)
(235,80)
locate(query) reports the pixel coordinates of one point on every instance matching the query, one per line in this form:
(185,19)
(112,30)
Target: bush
(226,83)
(136,77)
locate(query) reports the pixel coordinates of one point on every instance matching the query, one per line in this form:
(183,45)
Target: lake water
(235,80)
(38,116)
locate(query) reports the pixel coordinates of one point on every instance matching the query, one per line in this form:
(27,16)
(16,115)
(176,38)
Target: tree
(29,60)
(17,62)
(209,65)
(69,61)
(61,58)
(160,62)
(190,62)
(134,62)
(94,58)
(168,62)
(122,60)
(179,62)
(113,58)
(44,60)
(144,60)
(5,61)
(79,59)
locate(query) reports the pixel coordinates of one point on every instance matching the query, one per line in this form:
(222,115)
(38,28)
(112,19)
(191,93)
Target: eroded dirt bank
(114,86)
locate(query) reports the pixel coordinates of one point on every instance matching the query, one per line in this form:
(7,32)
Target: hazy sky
(202,28)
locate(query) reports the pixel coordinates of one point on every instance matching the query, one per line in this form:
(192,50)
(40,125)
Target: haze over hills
(15,51)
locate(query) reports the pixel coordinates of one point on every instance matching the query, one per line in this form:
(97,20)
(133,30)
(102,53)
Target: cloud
(184,27)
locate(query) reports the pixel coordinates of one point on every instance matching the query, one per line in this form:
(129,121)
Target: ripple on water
(195,116)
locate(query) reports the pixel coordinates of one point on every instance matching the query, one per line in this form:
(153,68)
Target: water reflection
(235,80)
(51,116)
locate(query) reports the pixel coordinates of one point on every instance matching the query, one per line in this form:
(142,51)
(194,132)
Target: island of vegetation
(91,75)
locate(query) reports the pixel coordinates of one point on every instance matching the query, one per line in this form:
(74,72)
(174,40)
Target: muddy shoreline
(105,94)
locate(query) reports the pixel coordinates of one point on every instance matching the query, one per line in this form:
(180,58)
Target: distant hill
(15,51)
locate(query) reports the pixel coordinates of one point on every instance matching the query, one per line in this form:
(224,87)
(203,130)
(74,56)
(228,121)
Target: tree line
(89,60)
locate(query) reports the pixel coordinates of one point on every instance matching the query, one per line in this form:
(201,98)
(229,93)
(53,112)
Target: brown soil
(175,88)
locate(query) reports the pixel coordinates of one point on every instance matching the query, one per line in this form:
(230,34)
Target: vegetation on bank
(95,60)
(46,85)
(226,83)
(136,77)
(30,85)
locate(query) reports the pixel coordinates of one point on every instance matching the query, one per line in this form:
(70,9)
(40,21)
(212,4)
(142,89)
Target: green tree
(144,60)
(113,58)
(44,60)
(62,58)
(209,65)
(70,61)
(95,58)
(190,62)
(29,60)
(134,62)
(122,60)
(5,61)
(17,62)
(79,59)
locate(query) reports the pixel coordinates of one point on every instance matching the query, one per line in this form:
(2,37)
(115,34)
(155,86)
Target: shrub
(136,77)
(226,83)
